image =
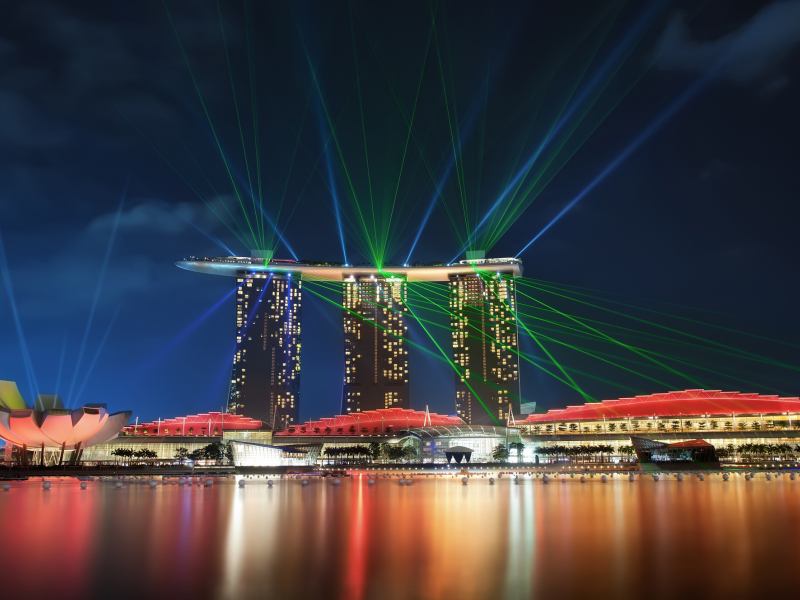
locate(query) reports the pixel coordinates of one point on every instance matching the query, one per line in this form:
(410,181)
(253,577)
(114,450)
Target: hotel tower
(265,380)
(485,337)
(375,346)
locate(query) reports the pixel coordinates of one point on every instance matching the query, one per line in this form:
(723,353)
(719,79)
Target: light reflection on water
(435,539)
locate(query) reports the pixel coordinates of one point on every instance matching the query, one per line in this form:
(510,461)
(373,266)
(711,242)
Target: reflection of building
(45,434)
(265,381)
(485,338)
(375,348)
(723,419)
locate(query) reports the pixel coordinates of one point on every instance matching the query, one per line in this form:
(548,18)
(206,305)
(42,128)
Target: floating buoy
(604,479)
(83,485)
(630,477)
(499,475)
(371,482)
(725,477)
(791,476)
(563,480)
(491,481)
(545,479)
(655,477)
(6,487)
(680,476)
(209,482)
(583,479)
(464,480)
(336,481)
(304,482)
(401,481)
(769,477)
(747,477)
(117,484)
(241,483)
(408,481)
(269,482)
(181,481)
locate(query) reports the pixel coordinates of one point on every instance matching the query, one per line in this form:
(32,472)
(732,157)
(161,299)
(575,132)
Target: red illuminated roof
(670,404)
(383,420)
(208,424)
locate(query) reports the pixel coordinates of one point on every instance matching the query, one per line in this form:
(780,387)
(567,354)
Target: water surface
(434,539)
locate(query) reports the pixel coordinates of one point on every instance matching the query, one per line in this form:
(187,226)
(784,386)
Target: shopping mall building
(725,419)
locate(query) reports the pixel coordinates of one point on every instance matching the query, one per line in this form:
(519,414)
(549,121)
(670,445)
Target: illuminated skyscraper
(265,382)
(485,336)
(375,347)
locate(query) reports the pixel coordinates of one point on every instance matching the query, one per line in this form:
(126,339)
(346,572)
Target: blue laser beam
(26,357)
(99,287)
(255,305)
(613,58)
(646,134)
(96,357)
(61,364)
(464,130)
(335,199)
(431,206)
(269,219)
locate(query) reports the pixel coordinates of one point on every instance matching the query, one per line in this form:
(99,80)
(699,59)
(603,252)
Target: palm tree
(500,453)
(518,447)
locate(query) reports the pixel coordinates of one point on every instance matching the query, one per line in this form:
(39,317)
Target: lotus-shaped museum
(49,426)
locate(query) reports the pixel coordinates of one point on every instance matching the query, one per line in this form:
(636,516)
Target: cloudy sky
(670,130)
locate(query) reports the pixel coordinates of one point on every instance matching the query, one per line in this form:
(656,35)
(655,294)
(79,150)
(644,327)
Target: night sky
(679,121)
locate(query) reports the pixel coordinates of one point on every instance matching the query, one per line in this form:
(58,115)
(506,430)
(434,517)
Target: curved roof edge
(687,402)
(382,418)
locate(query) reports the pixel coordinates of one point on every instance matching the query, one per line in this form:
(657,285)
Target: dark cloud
(25,127)
(750,55)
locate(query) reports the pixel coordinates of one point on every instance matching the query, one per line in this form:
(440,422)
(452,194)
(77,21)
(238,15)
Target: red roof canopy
(199,424)
(368,421)
(689,403)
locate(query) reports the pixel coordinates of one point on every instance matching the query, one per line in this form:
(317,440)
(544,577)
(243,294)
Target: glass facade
(248,454)
(265,379)
(485,338)
(375,347)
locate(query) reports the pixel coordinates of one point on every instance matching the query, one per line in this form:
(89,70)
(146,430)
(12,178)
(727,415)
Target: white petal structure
(55,427)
